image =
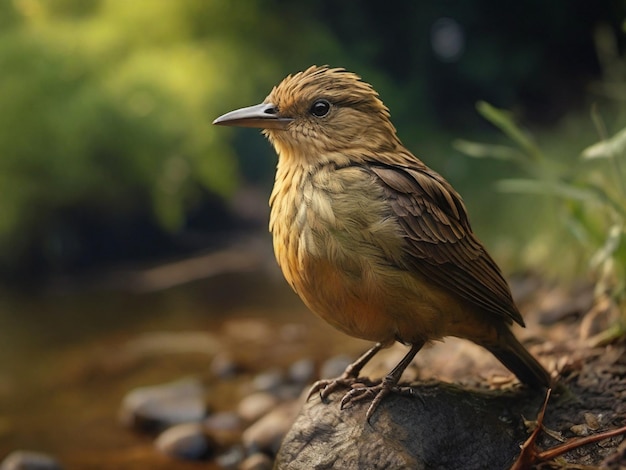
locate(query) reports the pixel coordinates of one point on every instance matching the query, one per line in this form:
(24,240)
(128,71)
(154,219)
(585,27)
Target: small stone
(160,406)
(226,421)
(580,429)
(335,366)
(267,381)
(257,461)
(224,428)
(223,366)
(288,391)
(29,460)
(302,371)
(592,421)
(231,458)
(185,441)
(256,405)
(267,433)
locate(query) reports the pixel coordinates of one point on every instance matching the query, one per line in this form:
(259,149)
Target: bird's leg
(381,390)
(349,376)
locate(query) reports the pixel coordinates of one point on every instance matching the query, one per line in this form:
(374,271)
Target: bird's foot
(377,393)
(327,386)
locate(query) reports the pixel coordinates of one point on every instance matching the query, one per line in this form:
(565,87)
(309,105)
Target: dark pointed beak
(264,116)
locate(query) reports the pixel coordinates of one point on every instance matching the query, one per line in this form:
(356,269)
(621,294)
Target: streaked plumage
(372,240)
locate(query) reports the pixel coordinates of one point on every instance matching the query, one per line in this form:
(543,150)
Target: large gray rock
(442,426)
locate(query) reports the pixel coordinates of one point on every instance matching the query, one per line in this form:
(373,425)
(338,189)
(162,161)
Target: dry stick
(528,455)
(578,442)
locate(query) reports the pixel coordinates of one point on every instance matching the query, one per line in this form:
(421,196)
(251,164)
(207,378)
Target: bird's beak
(264,116)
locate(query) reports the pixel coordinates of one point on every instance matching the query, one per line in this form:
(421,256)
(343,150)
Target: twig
(529,455)
(578,442)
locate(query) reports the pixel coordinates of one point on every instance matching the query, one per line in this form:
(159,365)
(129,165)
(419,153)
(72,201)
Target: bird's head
(320,113)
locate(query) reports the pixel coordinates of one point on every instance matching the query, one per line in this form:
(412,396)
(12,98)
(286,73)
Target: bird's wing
(440,243)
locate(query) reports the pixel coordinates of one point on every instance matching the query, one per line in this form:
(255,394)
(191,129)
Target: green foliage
(591,200)
(107,106)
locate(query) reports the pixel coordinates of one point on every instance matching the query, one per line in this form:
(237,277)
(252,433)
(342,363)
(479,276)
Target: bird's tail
(519,361)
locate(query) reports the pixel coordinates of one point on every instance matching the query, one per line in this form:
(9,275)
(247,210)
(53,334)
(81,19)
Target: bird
(371,239)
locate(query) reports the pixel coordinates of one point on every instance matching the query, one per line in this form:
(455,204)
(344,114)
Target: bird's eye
(320,108)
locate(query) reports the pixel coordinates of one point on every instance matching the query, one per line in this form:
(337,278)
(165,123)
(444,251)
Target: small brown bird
(372,240)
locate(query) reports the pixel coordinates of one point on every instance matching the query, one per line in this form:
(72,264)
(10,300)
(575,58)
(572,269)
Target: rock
(580,430)
(268,381)
(302,371)
(256,405)
(257,461)
(160,406)
(224,428)
(335,366)
(29,460)
(439,426)
(223,366)
(185,441)
(231,458)
(223,421)
(267,433)
(288,391)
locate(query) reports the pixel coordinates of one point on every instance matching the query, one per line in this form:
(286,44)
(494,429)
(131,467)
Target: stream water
(67,359)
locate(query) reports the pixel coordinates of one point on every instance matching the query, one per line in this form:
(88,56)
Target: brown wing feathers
(441,244)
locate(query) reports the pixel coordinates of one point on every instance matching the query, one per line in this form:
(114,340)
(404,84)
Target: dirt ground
(569,331)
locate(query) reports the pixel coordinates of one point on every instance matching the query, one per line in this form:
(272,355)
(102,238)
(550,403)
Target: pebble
(231,458)
(185,441)
(592,421)
(288,391)
(268,380)
(267,433)
(257,461)
(302,371)
(580,430)
(29,460)
(335,366)
(160,406)
(224,427)
(223,421)
(256,405)
(223,366)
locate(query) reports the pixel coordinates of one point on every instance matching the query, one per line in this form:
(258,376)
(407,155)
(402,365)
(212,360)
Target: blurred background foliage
(107,154)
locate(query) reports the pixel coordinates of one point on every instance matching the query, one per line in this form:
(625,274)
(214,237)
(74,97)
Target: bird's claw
(326,386)
(359,394)
(377,393)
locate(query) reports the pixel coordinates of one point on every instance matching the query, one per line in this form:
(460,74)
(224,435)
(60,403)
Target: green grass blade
(481,150)
(503,121)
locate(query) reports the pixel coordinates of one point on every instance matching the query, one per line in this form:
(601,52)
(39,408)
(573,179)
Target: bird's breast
(339,246)
(338,216)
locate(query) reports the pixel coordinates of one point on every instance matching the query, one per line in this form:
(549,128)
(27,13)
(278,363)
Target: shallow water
(67,359)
